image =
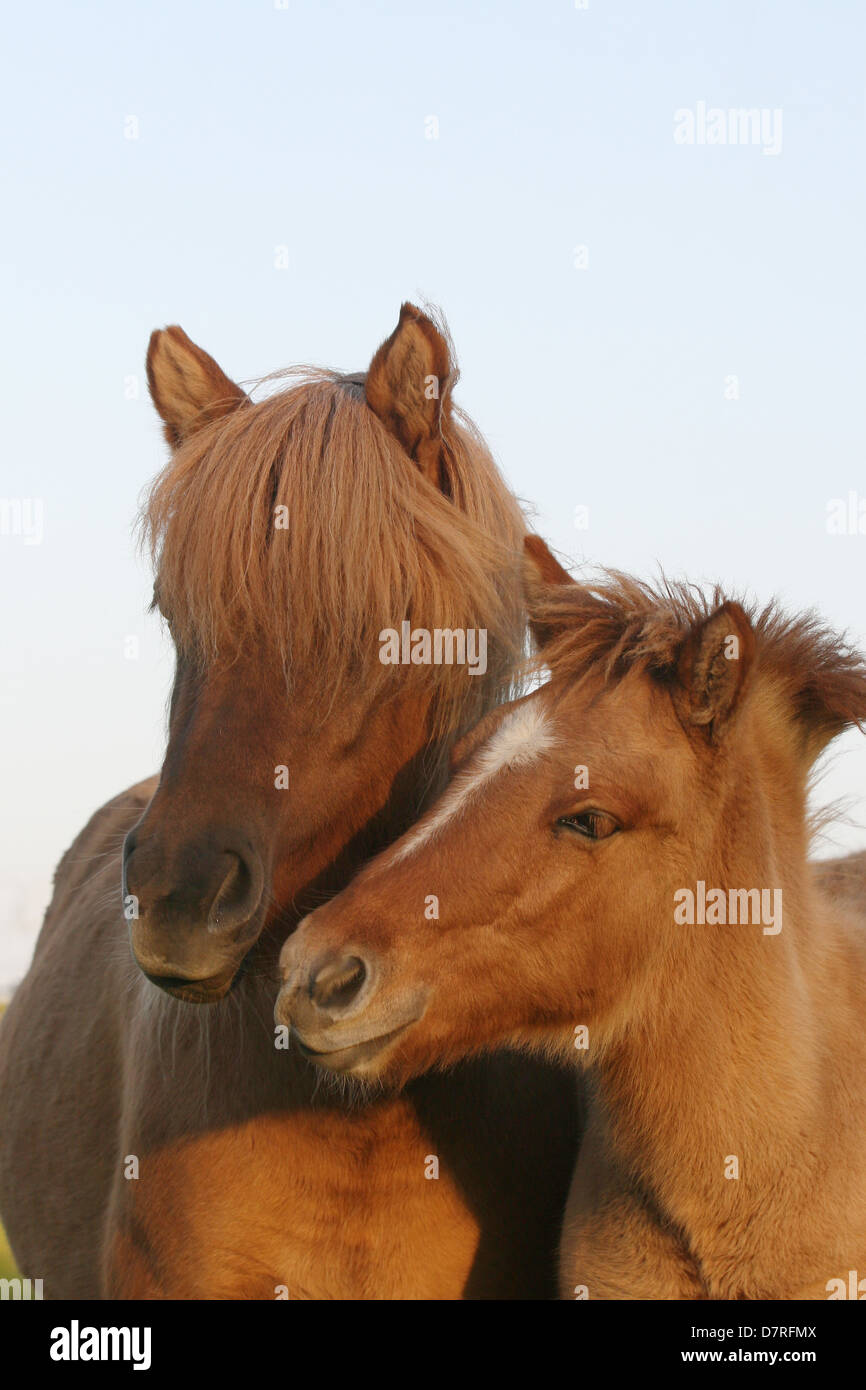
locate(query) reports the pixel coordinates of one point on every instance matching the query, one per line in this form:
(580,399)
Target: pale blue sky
(306,127)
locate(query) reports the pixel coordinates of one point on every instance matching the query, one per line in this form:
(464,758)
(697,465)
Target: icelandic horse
(157,1139)
(622,876)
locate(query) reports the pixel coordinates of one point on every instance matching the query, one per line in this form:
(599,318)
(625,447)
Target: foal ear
(187,387)
(828,686)
(408,386)
(712,669)
(542,573)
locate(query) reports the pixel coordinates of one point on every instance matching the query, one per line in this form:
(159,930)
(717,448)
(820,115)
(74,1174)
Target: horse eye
(593,825)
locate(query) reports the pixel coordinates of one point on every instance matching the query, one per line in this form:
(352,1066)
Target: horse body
(672,938)
(251,1176)
(301,1194)
(61,1056)
(156,1141)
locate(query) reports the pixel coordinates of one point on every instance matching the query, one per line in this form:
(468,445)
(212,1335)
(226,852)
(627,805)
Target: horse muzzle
(193,915)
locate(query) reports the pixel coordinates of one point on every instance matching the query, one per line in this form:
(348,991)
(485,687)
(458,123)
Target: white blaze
(522,736)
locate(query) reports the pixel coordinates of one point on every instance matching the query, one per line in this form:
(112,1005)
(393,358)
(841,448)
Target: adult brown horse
(152,1147)
(622,874)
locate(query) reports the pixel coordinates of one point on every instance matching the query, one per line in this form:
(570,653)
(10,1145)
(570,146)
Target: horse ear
(187,387)
(541,573)
(712,669)
(408,386)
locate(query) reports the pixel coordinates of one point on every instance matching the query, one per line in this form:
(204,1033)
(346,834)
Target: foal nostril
(337,984)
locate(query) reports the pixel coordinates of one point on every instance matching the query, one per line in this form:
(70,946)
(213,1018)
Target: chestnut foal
(620,876)
(153,1147)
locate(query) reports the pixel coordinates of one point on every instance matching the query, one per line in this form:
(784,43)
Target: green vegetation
(7,1264)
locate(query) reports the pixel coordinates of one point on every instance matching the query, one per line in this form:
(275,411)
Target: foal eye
(593,825)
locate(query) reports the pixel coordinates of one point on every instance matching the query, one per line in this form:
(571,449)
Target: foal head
(672,744)
(287,535)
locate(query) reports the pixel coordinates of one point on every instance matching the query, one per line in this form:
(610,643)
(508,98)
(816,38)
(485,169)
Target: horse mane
(370,542)
(615,623)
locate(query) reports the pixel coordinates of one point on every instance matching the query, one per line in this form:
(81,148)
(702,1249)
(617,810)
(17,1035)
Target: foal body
(665,763)
(157,1139)
(725,1151)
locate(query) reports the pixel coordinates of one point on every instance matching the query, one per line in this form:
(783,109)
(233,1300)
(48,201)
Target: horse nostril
(238,895)
(231,893)
(335,985)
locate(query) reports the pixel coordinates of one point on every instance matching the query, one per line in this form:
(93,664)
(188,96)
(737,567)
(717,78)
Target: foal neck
(717,1096)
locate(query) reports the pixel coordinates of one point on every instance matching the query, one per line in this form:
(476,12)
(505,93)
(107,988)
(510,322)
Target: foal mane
(615,623)
(370,542)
